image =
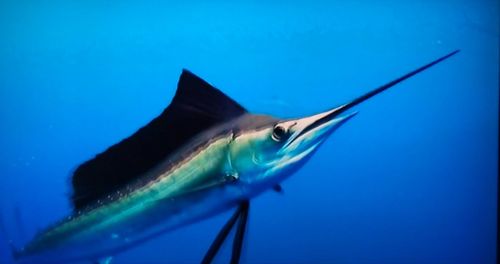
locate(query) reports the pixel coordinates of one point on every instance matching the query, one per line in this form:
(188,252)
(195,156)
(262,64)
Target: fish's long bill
(332,116)
(386,86)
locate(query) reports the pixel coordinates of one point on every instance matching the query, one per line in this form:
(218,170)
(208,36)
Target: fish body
(167,202)
(203,155)
(195,184)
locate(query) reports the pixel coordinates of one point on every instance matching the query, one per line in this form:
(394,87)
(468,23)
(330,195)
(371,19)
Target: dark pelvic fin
(242,214)
(240,233)
(220,238)
(196,106)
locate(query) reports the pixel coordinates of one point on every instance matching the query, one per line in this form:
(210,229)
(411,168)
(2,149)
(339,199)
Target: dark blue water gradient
(411,179)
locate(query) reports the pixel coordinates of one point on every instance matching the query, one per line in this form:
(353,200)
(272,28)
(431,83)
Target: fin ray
(196,107)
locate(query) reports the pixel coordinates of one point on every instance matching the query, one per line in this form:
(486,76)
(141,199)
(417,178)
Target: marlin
(203,155)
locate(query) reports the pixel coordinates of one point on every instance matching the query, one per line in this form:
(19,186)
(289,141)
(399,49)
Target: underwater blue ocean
(412,178)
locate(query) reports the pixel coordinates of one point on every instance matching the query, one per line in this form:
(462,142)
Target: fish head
(266,155)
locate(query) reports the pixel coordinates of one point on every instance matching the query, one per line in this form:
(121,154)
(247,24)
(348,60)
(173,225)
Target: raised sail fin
(197,106)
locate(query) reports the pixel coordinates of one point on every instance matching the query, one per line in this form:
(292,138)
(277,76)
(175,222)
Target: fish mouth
(322,123)
(313,130)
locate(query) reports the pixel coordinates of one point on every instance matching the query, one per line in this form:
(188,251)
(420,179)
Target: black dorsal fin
(196,107)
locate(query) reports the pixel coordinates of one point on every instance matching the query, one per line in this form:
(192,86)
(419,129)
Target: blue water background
(411,179)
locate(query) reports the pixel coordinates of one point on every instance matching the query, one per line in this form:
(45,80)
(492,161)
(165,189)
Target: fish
(205,154)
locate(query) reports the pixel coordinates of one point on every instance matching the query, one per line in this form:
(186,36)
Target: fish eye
(279,132)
